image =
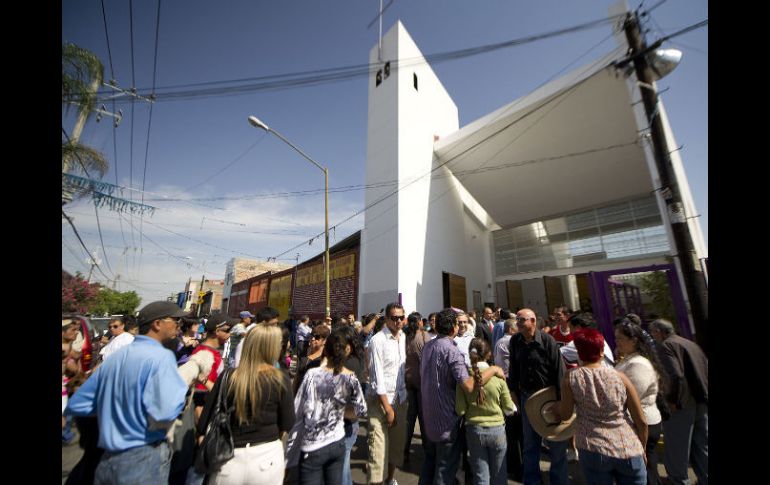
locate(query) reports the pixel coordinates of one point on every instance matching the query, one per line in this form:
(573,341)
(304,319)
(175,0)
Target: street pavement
(409,475)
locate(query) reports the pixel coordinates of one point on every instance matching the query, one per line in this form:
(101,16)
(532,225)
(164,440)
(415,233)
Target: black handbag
(217,446)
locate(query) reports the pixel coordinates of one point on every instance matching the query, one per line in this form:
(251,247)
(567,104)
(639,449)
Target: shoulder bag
(217,447)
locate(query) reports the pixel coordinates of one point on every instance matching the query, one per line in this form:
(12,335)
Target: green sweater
(497,402)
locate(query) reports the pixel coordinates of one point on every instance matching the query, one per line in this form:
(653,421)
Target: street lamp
(256,122)
(651,63)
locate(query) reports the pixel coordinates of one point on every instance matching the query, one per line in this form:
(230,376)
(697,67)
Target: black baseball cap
(217,321)
(158,310)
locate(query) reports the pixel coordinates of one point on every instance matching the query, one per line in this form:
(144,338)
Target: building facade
(537,204)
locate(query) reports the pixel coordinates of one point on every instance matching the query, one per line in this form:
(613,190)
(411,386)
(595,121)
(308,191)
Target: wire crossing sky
(223,189)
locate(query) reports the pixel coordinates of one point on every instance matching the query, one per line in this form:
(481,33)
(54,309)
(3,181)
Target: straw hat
(542,420)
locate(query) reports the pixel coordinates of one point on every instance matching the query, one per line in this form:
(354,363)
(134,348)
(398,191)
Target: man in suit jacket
(686,430)
(485,328)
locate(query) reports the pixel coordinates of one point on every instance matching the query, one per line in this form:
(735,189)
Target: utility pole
(694,281)
(200,296)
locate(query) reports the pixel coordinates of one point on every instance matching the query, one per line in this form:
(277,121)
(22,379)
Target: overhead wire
(269,233)
(348,218)
(114,125)
(450,159)
(320,76)
(73,253)
(230,164)
(203,242)
(107,35)
(101,239)
(131,143)
(149,128)
(85,248)
(685,30)
(179,258)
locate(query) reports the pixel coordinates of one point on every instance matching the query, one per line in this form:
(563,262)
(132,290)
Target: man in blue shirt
(136,395)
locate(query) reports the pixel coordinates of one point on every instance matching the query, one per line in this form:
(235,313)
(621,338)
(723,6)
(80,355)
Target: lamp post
(254,121)
(648,66)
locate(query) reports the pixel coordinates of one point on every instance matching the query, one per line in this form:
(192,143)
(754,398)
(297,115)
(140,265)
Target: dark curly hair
(645,346)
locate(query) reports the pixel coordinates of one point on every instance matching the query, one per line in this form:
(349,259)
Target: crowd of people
(294,394)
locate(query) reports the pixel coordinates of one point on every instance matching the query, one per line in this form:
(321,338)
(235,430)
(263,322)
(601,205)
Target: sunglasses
(318,337)
(114,326)
(396,318)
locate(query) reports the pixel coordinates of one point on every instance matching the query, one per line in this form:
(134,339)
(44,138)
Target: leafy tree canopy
(111,302)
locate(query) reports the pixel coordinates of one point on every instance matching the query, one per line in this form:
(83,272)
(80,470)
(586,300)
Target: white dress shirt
(387,365)
(239,349)
(116,343)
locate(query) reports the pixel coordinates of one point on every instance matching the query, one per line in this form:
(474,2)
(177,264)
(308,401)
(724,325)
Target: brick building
(300,290)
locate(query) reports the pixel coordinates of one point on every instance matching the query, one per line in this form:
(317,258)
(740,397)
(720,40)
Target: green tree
(655,285)
(111,302)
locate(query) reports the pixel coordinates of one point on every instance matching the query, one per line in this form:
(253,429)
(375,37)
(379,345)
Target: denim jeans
(686,434)
(67,435)
(148,464)
(487,446)
(441,459)
(322,466)
(558,451)
(605,470)
(653,435)
(351,433)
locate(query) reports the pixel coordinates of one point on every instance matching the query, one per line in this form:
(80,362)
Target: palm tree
(82,74)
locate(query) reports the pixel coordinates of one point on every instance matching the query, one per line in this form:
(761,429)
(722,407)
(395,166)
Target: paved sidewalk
(408,476)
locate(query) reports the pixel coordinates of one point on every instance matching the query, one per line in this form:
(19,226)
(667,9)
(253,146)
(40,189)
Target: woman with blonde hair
(261,400)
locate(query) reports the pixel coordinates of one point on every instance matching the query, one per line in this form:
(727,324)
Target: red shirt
(216,368)
(559,337)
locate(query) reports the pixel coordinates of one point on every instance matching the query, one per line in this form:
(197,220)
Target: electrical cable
(321,76)
(83,244)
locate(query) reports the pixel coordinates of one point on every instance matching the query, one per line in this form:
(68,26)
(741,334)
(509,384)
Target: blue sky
(193,139)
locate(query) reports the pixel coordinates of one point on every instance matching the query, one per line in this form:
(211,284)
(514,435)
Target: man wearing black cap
(136,395)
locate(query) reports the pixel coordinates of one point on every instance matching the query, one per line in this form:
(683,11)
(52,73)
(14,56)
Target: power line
(205,243)
(268,233)
(474,145)
(99,227)
(322,76)
(149,126)
(93,261)
(131,143)
(107,35)
(72,252)
(179,258)
(230,164)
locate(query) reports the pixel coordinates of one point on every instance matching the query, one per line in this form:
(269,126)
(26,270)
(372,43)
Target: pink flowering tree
(77,295)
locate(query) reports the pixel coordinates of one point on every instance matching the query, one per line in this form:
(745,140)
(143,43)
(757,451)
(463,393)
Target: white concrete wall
(378,277)
(409,239)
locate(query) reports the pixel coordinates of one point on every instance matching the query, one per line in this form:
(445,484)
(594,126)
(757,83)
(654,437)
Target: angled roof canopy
(571,144)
